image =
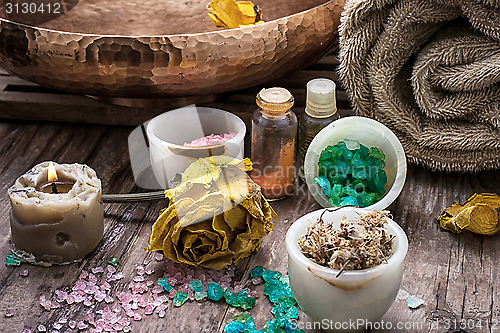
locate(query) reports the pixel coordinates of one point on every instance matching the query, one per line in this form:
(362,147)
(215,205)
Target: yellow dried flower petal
(233,14)
(217,214)
(478,214)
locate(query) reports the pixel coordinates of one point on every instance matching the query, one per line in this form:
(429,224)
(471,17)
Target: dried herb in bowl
(356,245)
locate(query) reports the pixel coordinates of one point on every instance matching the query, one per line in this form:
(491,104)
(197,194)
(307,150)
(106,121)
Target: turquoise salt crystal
(345,201)
(291,327)
(165,284)
(196,285)
(244,301)
(360,173)
(349,191)
(247,320)
(114,262)
(292,312)
(234,327)
(414,302)
(200,295)
(379,181)
(179,298)
(270,275)
(285,279)
(288,301)
(363,151)
(231,298)
(377,153)
(12,260)
(325,185)
(215,291)
(356,161)
(257,271)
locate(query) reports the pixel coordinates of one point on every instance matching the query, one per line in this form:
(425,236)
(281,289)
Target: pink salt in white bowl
(167,133)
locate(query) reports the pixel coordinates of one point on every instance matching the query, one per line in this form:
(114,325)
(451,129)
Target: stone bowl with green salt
(355,161)
(359,294)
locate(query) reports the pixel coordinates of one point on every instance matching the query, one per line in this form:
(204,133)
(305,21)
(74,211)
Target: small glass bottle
(274,131)
(321,110)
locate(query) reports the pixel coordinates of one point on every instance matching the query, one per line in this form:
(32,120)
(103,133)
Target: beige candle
(60,223)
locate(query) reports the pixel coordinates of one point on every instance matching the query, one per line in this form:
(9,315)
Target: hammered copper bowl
(168,48)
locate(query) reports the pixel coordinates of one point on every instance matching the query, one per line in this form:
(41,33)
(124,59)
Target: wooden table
(456,275)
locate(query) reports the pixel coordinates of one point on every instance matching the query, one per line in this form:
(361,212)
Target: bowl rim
(295,254)
(327,2)
(155,140)
(391,195)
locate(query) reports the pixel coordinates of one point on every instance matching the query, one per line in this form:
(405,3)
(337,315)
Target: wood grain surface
(456,275)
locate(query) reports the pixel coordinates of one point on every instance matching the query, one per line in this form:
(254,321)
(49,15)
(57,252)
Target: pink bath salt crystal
(108,299)
(137,316)
(118,276)
(146,261)
(90,317)
(172,281)
(157,289)
(111,269)
(172,293)
(99,296)
(92,278)
(124,321)
(117,327)
(57,325)
(149,271)
(88,301)
(130,313)
(8,312)
(70,299)
(127,329)
(161,314)
(105,286)
(27,330)
(149,309)
(91,289)
(140,270)
(83,275)
(72,323)
(254,294)
(97,270)
(108,327)
(190,295)
(62,320)
(211,139)
(257,280)
(117,309)
(42,328)
(225,284)
(54,305)
(149,283)
(24,273)
(158,256)
(81,325)
(139,278)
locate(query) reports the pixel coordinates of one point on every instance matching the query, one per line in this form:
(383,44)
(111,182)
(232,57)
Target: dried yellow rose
(232,14)
(478,214)
(216,214)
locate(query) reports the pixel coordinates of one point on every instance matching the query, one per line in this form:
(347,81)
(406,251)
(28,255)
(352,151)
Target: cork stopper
(321,100)
(275,99)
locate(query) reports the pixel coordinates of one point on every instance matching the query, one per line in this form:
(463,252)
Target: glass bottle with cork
(321,110)
(274,131)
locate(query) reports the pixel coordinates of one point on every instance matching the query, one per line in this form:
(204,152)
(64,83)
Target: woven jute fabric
(430,71)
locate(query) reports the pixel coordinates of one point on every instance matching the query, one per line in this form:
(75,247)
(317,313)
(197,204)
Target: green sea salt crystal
(257,271)
(336,190)
(165,284)
(12,260)
(349,191)
(377,153)
(200,295)
(114,262)
(334,200)
(179,298)
(196,285)
(366,199)
(345,201)
(234,327)
(215,291)
(325,185)
(288,301)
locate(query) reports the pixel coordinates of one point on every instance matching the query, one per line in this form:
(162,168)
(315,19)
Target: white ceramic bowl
(369,133)
(355,296)
(168,132)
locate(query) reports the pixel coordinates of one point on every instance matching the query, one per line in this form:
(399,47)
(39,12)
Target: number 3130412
(32,8)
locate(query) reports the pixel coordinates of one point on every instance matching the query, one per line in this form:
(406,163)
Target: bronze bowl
(165,48)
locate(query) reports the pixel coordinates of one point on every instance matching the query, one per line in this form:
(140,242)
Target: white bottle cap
(321,100)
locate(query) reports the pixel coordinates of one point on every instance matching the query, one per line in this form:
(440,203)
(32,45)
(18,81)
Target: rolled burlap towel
(430,71)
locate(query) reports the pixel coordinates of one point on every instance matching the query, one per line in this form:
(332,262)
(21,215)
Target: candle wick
(54,188)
